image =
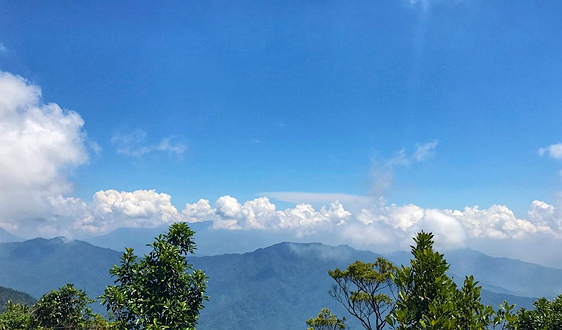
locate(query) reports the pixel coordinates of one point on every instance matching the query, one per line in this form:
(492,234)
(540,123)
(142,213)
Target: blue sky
(440,105)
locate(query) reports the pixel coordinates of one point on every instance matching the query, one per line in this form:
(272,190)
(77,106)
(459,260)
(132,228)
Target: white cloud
(3,48)
(134,144)
(39,144)
(424,150)
(111,209)
(260,213)
(553,151)
(392,226)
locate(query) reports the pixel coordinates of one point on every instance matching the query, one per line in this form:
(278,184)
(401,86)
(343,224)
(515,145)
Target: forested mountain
(7,294)
(277,287)
(39,265)
(280,286)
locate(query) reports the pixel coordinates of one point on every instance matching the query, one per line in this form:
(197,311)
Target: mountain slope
(18,297)
(518,277)
(288,282)
(499,275)
(277,287)
(6,237)
(38,266)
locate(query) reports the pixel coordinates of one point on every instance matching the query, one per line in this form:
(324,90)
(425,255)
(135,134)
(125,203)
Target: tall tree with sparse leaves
(366,291)
(160,290)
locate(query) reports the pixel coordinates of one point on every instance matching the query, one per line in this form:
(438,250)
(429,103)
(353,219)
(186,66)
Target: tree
(326,321)
(363,289)
(65,308)
(429,299)
(546,315)
(16,317)
(423,284)
(160,290)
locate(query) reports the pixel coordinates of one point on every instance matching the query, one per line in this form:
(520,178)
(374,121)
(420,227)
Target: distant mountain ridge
(277,287)
(6,237)
(40,265)
(497,274)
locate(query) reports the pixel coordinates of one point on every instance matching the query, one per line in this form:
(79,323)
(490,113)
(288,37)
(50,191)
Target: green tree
(16,317)
(429,299)
(547,315)
(65,308)
(326,321)
(160,290)
(366,291)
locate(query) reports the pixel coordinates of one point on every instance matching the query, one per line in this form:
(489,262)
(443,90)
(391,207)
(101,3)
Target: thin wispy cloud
(135,145)
(424,151)
(382,172)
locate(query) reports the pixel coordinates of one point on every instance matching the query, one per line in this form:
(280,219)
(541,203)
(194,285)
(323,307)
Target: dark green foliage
(65,308)
(16,317)
(326,321)
(363,289)
(426,292)
(17,297)
(429,299)
(160,290)
(547,315)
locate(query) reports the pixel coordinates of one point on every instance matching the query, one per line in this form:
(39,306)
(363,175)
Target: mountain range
(277,287)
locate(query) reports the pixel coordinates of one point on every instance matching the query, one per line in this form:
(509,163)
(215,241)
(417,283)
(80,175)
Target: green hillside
(7,294)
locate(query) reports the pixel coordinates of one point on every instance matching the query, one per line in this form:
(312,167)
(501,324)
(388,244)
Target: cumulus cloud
(392,226)
(111,209)
(260,213)
(134,144)
(552,151)
(40,143)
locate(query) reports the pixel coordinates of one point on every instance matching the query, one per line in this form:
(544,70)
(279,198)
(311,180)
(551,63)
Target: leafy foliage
(160,290)
(326,321)
(429,299)
(547,315)
(65,308)
(363,291)
(16,317)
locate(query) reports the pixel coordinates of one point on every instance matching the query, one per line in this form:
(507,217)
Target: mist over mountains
(276,287)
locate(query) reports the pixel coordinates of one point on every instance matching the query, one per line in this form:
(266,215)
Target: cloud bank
(39,145)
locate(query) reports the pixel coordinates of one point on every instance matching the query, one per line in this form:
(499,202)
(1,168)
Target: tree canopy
(160,290)
(427,297)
